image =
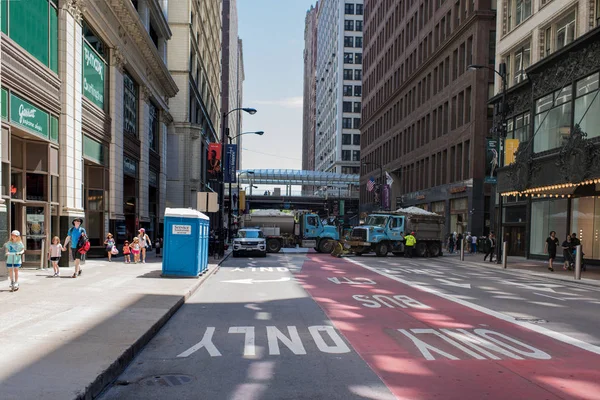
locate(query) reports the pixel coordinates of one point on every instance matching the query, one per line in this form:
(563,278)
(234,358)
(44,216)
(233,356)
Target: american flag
(371,184)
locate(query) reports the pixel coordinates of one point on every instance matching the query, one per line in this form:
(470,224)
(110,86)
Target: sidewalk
(531,267)
(64,338)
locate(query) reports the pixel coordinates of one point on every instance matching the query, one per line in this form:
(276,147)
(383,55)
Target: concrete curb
(97,387)
(512,271)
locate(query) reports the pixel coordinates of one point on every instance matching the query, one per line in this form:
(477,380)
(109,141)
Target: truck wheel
(421,249)
(317,249)
(434,250)
(326,246)
(381,249)
(273,246)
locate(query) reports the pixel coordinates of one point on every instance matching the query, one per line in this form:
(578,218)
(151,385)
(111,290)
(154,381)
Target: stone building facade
(425,117)
(85,91)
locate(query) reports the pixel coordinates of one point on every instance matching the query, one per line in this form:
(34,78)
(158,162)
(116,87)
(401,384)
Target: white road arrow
(251,281)
(450,283)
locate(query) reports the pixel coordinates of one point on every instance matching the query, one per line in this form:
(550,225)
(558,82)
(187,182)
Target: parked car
(250,241)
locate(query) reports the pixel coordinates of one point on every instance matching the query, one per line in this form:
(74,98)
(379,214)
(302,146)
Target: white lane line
(533,327)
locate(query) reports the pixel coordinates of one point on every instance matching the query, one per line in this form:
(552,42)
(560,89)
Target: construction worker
(409,244)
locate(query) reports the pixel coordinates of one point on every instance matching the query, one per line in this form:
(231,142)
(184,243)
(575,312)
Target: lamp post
(501,136)
(381,180)
(224,135)
(260,133)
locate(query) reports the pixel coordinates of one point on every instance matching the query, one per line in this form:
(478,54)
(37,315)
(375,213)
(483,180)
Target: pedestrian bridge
(294,177)
(303,189)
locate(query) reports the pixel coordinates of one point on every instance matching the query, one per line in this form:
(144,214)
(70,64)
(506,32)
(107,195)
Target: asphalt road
(261,337)
(310,326)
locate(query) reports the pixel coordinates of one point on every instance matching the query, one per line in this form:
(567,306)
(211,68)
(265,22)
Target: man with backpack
(79,243)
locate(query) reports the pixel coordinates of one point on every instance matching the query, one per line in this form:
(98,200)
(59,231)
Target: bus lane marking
(532,327)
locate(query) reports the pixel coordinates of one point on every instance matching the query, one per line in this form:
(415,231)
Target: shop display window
(585,222)
(546,216)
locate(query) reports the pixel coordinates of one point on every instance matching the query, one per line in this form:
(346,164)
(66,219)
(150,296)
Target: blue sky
(272,32)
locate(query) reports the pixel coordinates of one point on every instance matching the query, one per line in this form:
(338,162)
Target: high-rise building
(338,86)
(552,53)
(232,78)
(195,62)
(425,117)
(309,99)
(85,112)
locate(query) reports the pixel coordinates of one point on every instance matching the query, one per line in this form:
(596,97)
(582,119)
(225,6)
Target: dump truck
(304,229)
(384,232)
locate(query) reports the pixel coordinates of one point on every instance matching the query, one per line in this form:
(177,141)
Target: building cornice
(132,27)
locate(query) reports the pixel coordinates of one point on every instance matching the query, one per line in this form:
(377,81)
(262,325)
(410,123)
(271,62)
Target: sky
(272,32)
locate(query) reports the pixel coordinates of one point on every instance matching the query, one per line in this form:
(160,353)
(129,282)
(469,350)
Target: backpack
(83,244)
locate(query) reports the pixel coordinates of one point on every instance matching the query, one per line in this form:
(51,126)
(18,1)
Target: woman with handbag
(110,245)
(144,243)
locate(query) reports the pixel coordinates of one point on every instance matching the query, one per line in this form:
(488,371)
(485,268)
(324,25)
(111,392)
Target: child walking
(54,254)
(135,249)
(109,243)
(126,252)
(13,249)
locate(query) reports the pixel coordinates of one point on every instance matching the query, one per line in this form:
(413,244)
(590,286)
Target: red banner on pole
(213,168)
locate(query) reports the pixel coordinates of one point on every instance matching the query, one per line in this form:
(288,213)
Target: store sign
(457,189)
(230,163)
(28,116)
(510,148)
(421,197)
(4,101)
(94,70)
(129,167)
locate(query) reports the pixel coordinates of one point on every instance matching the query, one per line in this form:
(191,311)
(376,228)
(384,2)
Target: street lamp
(501,136)
(224,135)
(381,180)
(260,133)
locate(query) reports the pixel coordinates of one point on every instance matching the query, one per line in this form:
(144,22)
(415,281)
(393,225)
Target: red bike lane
(424,346)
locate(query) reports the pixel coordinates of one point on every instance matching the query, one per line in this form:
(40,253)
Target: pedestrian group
(79,246)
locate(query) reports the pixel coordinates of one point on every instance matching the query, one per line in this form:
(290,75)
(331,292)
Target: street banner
(213,168)
(342,207)
(491,160)
(230,163)
(510,148)
(385,200)
(242,202)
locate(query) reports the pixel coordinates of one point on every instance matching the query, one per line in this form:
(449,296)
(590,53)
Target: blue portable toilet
(185,246)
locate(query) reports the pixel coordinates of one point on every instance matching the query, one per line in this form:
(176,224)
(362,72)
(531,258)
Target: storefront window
(585,222)
(153,127)
(587,105)
(546,216)
(458,215)
(16,185)
(37,185)
(33,24)
(439,207)
(129,105)
(515,214)
(552,120)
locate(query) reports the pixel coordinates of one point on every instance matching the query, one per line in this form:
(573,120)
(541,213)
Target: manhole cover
(166,380)
(532,320)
